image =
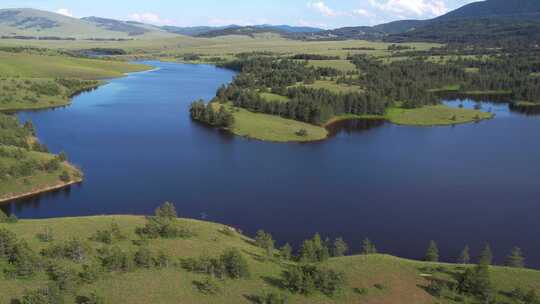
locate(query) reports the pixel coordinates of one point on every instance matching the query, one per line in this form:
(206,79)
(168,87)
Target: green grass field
(14,187)
(274,97)
(273,128)
(341,65)
(36,66)
(402,281)
(434,116)
(29,81)
(332,86)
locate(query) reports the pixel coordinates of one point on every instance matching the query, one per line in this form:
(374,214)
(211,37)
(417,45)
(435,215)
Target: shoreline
(40,191)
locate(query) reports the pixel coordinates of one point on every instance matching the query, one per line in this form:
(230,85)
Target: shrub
(306,279)
(74,249)
(208,287)
(270,298)
(236,266)
(91,273)
(231,264)
(114,259)
(109,236)
(46,235)
(66,278)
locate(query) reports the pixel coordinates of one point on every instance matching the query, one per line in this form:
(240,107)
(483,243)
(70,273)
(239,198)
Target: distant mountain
(488,21)
(130,28)
(192,30)
(495,8)
(491,22)
(31,23)
(284,30)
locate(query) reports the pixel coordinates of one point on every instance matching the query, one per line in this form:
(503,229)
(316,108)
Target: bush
(74,249)
(66,278)
(163,224)
(208,287)
(271,298)
(48,295)
(236,266)
(114,259)
(46,235)
(306,279)
(91,273)
(109,236)
(231,264)
(93,298)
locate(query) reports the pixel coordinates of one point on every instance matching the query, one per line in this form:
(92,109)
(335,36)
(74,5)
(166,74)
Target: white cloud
(326,11)
(65,12)
(150,18)
(409,8)
(322,8)
(361,12)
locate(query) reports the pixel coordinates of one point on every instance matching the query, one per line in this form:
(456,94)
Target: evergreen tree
(167,211)
(368,247)
(340,248)
(432,253)
(486,256)
(286,252)
(264,240)
(464,257)
(516,259)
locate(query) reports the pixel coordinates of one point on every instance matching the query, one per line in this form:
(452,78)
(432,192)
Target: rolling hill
(490,21)
(31,23)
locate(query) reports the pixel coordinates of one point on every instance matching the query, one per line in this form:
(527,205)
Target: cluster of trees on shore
(205,113)
(16,146)
(281,76)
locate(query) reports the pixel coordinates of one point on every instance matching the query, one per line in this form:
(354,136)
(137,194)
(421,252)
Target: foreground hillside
(102,259)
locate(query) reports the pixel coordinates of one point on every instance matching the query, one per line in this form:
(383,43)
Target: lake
(400,186)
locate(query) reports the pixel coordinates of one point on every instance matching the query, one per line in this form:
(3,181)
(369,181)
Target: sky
(316,13)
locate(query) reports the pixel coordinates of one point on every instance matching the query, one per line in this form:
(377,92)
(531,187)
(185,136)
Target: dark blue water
(400,186)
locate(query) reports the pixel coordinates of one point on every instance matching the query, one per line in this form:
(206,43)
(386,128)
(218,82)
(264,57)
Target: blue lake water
(400,186)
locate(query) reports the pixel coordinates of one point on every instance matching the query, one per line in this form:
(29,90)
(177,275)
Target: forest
(412,82)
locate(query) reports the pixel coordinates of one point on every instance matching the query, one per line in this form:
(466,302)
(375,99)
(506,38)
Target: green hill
(371,278)
(30,23)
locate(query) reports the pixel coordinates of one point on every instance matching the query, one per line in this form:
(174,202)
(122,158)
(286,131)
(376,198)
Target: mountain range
(484,21)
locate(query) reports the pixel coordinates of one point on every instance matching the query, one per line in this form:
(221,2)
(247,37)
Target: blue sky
(320,13)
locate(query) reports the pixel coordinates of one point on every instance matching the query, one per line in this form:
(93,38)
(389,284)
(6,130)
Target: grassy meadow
(438,115)
(372,279)
(32,81)
(40,180)
(272,128)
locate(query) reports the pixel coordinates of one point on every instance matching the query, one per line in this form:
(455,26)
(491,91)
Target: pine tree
(286,252)
(432,253)
(464,257)
(340,248)
(265,241)
(486,256)
(167,210)
(515,259)
(368,247)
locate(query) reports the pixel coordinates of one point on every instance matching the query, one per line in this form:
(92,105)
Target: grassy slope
(273,128)
(18,68)
(36,66)
(401,278)
(39,181)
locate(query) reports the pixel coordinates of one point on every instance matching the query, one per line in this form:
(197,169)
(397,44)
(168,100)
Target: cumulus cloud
(150,18)
(325,10)
(411,8)
(65,12)
(322,8)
